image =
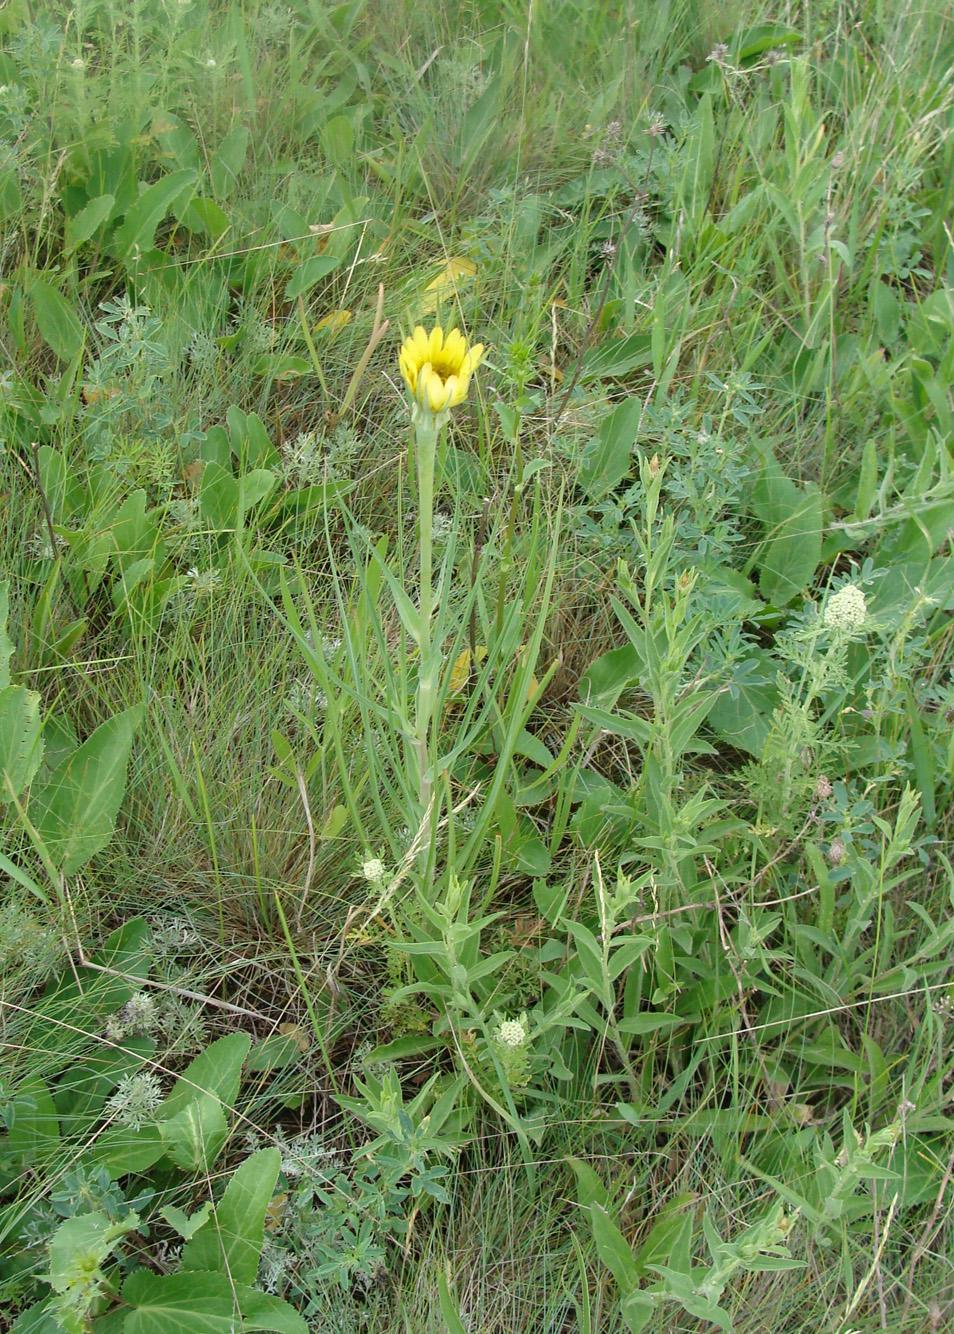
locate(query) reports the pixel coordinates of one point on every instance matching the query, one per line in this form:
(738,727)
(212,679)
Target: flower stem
(427,431)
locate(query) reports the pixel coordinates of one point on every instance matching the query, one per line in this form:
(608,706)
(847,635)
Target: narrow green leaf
(450,1309)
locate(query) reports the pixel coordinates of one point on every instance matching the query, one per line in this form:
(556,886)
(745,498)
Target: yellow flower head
(436,369)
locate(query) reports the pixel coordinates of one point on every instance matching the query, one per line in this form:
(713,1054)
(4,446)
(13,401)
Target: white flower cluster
(137,1018)
(373,870)
(846,609)
(511,1033)
(136,1100)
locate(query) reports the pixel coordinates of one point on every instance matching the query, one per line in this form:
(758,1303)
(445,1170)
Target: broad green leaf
(195,1136)
(337,136)
(276,1052)
(613,1249)
(231,1241)
(36,1320)
(75,809)
(84,224)
(187,1225)
(886,309)
(764,37)
(11,196)
(217,1071)
(206,217)
(134,532)
(138,231)
(227,163)
(219,497)
(590,1186)
(21,739)
(611,456)
(628,725)
(203,1303)
(254,487)
(617,356)
(6,643)
(122,1151)
(81,1244)
(83,1088)
(179,1304)
(56,319)
(700,156)
(788,563)
(867,480)
(669,1235)
(262,1311)
(742,713)
(34,1125)
(637,1310)
(310,272)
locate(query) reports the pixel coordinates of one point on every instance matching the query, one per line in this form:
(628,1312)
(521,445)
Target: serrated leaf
(262,1311)
(178,1304)
(187,1225)
(75,809)
(81,1244)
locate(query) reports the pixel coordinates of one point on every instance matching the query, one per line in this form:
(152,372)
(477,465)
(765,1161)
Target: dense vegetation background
(633,1011)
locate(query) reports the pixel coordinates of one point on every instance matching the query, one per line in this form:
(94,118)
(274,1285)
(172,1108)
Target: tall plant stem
(427,431)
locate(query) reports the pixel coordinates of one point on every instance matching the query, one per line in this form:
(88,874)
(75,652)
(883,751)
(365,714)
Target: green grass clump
(571,948)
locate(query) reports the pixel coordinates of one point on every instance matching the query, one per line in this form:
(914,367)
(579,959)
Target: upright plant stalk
(437,371)
(427,429)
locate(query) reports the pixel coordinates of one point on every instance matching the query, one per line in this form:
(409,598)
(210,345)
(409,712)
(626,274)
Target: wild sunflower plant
(437,370)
